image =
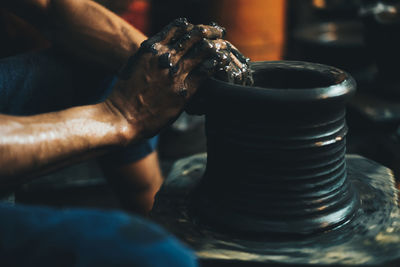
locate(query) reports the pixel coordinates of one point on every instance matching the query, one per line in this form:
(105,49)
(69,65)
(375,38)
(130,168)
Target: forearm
(136,183)
(30,146)
(83,28)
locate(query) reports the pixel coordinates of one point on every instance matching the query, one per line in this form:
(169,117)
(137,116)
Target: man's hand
(161,77)
(155,85)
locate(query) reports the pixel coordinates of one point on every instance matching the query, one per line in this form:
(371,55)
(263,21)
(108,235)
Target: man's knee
(85,238)
(138,242)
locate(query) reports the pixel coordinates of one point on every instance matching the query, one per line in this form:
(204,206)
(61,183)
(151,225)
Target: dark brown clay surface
(277,166)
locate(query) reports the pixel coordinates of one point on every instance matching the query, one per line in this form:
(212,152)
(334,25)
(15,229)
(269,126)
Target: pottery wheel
(372,236)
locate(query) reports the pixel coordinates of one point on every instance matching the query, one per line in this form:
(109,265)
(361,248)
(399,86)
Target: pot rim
(345,86)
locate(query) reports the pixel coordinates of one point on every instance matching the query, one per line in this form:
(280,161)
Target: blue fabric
(46,81)
(36,236)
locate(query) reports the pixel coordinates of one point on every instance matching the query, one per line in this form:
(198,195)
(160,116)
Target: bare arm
(157,82)
(33,145)
(136,183)
(149,97)
(83,28)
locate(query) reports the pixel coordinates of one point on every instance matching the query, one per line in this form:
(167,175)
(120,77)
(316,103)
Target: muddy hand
(233,67)
(159,79)
(228,65)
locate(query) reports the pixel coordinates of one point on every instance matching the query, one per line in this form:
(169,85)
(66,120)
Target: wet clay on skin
(226,63)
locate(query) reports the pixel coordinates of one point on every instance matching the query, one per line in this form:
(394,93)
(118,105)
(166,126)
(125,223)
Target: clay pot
(276,151)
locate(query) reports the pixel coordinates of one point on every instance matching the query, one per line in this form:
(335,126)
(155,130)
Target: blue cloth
(36,236)
(47,81)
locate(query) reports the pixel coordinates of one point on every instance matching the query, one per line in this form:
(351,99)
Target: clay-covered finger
(176,30)
(210,32)
(234,73)
(186,64)
(191,49)
(222,29)
(169,33)
(229,69)
(237,73)
(204,51)
(237,54)
(198,33)
(238,66)
(224,59)
(206,47)
(246,77)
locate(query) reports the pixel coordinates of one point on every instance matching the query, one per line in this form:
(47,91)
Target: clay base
(371,238)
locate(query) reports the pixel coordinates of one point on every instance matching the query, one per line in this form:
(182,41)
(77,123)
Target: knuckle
(200,30)
(207,44)
(220,44)
(180,22)
(149,46)
(223,56)
(219,28)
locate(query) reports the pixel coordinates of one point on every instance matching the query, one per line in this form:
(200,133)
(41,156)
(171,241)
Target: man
(153,87)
